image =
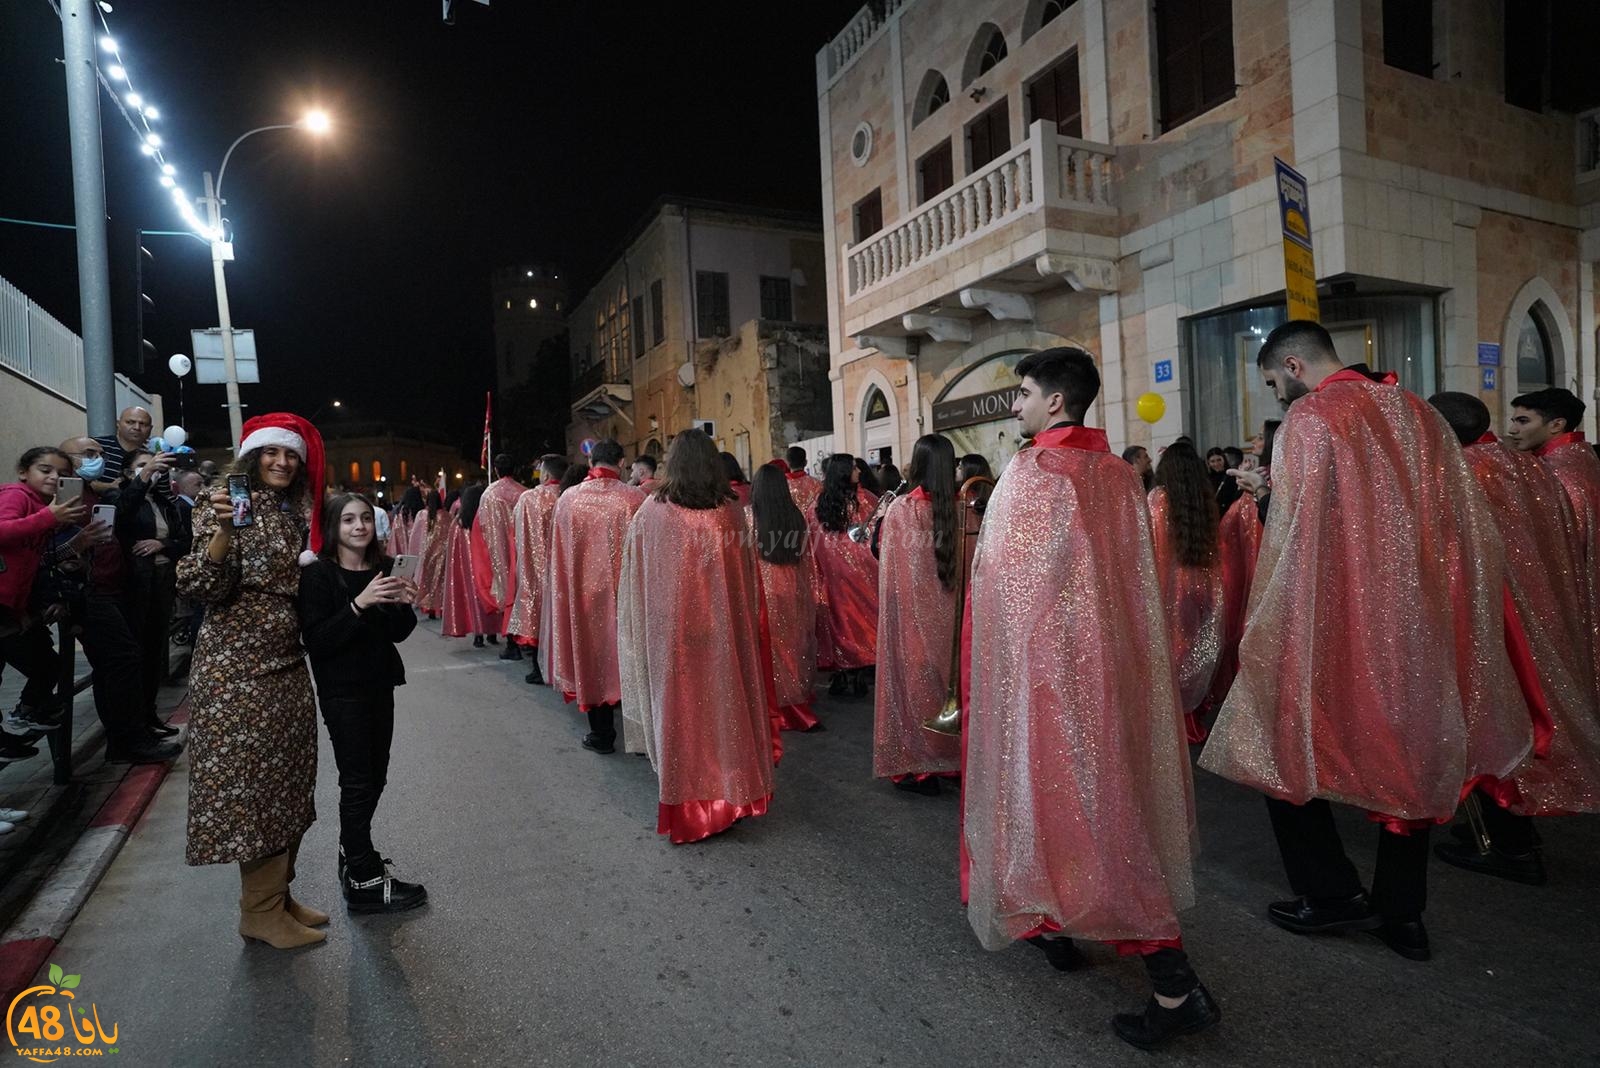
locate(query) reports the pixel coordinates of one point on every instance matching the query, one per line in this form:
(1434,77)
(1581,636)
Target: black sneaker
(597,744)
(534,677)
(512,651)
(493,640)
(370,886)
(1156,1026)
(477,641)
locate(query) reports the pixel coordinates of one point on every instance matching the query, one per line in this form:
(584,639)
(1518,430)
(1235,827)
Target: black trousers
(114,654)
(603,723)
(152,588)
(1508,832)
(1315,861)
(34,655)
(361,727)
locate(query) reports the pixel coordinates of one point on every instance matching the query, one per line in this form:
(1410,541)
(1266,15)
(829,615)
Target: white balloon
(175,435)
(179,364)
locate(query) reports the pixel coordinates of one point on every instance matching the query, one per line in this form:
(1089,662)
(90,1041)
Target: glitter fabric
(586,536)
(530,522)
(435,555)
(916,621)
(1192,598)
(805,490)
(791,600)
(1575,464)
(1077,800)
(1373,669)
(464,612)
(693,680)
(494,547)
(847,614)
(1239,541)
(1542,565)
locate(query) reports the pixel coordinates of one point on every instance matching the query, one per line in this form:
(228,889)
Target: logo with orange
(46,1023)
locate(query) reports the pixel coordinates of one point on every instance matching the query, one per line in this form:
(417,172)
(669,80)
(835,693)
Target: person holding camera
(253,725)
(353,612)
(153,538)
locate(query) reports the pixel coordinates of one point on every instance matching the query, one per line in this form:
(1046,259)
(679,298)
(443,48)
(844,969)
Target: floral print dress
(253,721)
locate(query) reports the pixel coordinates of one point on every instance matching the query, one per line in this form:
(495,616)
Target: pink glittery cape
(1545,570)
(1240,541)
(435,557)
(916,619)
(1193,600)
(586,536)
(1077,800)
(464,613)
(530,522)
(494,547)
(693,678)
(1373,669)
(791,603)
(847,608)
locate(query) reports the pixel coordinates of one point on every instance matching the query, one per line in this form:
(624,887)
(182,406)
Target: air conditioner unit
(708,426)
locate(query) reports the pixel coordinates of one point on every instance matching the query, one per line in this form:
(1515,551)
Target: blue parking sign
(1163,370)
(1489,377)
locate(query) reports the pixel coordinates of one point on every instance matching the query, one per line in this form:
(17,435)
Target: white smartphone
(106,513)
(405,566)
(68,487)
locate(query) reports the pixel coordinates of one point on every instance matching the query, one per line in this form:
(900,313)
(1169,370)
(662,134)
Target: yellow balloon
(1152,406)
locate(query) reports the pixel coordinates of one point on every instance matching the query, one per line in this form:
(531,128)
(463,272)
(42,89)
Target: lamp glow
(117,72)
(148,150)
(134,100)
(153,140)
(167,168)
(166,180)
(317,121)
(152,113)
(108,44)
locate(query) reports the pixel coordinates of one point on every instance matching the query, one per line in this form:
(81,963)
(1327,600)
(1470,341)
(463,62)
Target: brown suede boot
(262,916)
(303,914)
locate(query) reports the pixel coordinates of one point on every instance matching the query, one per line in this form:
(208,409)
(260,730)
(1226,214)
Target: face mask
(91,467)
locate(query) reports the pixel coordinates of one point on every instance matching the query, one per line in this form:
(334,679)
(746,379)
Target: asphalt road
(563,931)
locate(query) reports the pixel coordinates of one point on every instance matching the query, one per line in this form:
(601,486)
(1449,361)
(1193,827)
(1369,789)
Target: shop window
(935,172)
(1408,35)
(868,215)
(1053,97)
(989,136)
(1194,57)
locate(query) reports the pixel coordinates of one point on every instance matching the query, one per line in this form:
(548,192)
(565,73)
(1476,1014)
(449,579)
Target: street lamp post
(222,250)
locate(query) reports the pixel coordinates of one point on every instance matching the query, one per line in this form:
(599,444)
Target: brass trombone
(861,533)
(972,499)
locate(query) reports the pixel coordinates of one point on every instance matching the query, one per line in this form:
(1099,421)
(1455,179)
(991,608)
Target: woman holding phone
(253,725)
(353,611)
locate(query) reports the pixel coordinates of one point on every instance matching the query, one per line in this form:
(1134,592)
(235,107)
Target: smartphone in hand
(67,488)
(239,496)
(106,513)
(405,566)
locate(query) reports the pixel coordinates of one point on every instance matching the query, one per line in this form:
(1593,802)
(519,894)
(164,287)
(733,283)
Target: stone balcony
(1041,216)
(600,392)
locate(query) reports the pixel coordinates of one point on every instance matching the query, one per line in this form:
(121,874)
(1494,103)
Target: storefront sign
(1488,354)
(1299,269)
(965,411)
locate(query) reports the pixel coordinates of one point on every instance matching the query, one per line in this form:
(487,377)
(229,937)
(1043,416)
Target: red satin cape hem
(691,821)
(1125,947)
(796,717)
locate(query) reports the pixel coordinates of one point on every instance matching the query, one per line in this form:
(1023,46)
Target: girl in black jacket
(352,612)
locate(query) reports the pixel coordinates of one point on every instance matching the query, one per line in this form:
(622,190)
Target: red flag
(488,399)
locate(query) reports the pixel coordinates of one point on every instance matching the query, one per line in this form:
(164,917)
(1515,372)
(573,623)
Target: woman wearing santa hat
(253,725)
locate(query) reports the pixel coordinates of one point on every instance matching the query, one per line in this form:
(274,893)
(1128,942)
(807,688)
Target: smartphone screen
(105,513)
(239,496)
(68,488)
(405,566)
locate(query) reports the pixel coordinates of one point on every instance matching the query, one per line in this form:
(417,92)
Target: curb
(27,945)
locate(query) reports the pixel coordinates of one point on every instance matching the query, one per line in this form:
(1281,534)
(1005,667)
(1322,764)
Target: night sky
(529,131)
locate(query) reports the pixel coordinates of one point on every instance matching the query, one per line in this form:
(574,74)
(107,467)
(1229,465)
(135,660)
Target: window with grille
(994,50)
(711,303)
(777,302)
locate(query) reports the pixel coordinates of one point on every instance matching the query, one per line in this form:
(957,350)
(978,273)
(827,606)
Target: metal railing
(36,346)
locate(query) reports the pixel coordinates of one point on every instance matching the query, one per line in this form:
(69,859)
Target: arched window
(933,94)
(355,473)
(1041,13)
(988,48)
(875,407)
(377,470)
(1537,366)
(405,475)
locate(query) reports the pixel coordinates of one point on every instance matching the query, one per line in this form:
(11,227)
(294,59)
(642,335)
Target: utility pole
(89,207)
(221,252)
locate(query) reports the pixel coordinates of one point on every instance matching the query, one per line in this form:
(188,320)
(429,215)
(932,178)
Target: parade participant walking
(788,580)
(438,527)
(1239,540)
(847,620)
(586,536)
(1184,527)
(736,480)
(1543,565)
(464,611)
(253,724)
(918,574)
(494,550)
(802,487)
(530,520)
(1375,679)
(693,680)
(352,614)
(1077,795)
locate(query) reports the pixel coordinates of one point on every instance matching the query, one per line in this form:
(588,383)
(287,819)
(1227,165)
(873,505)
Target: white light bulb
(180,196)
(166,180)
(151,113)
(167,168)
(108,44)
(148,150)
(134,100)
(153,140)
(116,71)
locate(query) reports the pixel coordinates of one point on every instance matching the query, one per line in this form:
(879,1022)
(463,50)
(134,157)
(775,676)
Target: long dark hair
(730,464)
(411,502)
(332,509)
(1269,434)
(695,475)
(889,478)
(469,504)
(933,469)
(780,528)
(576,473)
(1191,504)
(869,481)
(434,503)
(838,496)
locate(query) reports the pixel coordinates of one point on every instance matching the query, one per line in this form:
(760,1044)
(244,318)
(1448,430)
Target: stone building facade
(1000,176)
(711,313)
(530,307)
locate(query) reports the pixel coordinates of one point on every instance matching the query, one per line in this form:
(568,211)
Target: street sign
(1299,268)
(208,368)
(969,411)
(1489,378)
(1488,354)
(1163,370)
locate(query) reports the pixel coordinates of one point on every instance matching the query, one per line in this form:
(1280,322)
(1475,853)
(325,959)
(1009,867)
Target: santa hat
(289,431)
